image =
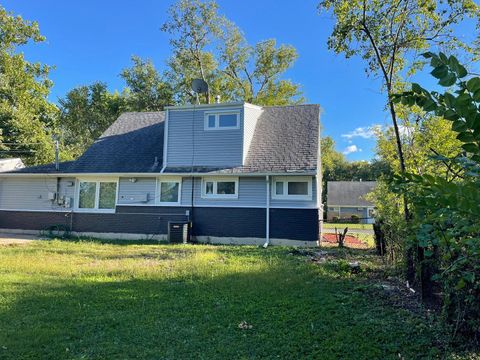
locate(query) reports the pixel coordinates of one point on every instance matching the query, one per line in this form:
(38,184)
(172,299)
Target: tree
(448,207)
(27,118)
(387,34)
(146,90)
(208,46)
(86,112)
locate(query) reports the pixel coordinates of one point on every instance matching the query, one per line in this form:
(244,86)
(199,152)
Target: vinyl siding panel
(32,193)
(188,141)
(298,203)
(129,193)
(251,192)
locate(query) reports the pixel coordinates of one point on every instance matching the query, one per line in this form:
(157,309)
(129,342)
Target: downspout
(267,214)
(165,142)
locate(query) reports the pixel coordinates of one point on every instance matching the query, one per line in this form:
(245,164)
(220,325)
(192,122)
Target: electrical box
(135,198)
(67,202)
(52,195)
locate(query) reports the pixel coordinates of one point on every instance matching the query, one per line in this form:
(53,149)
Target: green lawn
(350,226)
(93,300)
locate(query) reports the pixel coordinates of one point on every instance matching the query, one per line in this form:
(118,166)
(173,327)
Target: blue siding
(130,192)
(188,141)
(298,203)
(251,192)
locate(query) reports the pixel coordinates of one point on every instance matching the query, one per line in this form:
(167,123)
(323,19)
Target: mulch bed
(349,239)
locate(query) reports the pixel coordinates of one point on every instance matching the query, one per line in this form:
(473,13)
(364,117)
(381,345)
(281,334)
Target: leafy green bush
(447,210)
(355,219)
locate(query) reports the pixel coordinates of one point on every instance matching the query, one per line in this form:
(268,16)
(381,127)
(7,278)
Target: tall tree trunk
(410,271)
(388,79)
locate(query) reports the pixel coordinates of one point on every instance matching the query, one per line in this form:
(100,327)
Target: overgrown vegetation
(445,222)
(62,299)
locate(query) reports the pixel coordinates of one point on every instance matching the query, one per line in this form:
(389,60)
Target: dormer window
(225,120)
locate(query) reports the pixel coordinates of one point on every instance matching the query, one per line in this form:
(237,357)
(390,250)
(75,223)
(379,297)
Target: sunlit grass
(350,226)
(79,300)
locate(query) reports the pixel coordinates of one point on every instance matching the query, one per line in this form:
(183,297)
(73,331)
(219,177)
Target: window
(222,121)
(292,188)
(97,195)
(220,188)
(169,191)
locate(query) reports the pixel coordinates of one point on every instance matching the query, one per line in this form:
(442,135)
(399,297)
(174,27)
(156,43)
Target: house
(239,173)
(347,198)
(11,164)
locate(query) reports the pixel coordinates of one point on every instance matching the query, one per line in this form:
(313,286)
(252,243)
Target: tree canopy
(27,118)
(208,46)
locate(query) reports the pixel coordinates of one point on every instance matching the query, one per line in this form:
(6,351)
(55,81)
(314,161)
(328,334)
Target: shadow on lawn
(295,312)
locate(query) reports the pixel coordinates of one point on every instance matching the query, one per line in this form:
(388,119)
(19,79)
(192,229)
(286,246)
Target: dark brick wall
(296,224)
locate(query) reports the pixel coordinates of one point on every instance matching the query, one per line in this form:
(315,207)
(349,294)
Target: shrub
(354,219)
(447,209)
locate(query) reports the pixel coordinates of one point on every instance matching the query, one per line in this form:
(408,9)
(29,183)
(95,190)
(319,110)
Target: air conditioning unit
(179,232)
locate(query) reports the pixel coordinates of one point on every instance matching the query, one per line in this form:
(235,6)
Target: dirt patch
(16,239)
(349,239)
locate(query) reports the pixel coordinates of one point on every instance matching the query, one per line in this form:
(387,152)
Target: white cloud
(367,132)
(351,149)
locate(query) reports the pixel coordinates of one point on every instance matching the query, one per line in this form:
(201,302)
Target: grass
(94,300)
(350,226)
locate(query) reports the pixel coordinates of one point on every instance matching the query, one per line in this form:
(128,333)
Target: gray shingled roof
(134,143)
(286,139)
(349,193)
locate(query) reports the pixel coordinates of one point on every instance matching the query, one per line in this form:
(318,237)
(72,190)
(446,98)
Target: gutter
(150,174)
(267,214)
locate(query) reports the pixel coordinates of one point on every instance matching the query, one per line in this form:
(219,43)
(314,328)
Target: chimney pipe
(57,163)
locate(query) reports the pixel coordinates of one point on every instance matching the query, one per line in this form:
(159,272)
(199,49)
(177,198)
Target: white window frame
(217,120)
(97,194)
(215,181)
(158,189)
(285,180)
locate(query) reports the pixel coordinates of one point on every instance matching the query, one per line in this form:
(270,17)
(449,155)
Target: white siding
(250,122)
(32,193)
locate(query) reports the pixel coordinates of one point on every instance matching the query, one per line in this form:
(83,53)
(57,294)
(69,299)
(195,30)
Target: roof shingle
(286,139)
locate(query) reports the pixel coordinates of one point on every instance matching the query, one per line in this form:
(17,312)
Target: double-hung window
(222,120)
(97,195)
(220,188)
(292,188)
(169,191)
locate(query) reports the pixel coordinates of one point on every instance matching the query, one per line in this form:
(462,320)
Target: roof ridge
(284,106)
(142,112)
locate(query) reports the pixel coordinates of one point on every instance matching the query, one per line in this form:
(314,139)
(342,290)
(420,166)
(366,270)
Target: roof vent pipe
(57,154)
(217,99)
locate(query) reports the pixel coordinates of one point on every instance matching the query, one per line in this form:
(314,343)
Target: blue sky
(91,41)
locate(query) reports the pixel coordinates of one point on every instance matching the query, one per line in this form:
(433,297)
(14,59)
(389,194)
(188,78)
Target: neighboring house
(11,164)
(239,172)
(347,198)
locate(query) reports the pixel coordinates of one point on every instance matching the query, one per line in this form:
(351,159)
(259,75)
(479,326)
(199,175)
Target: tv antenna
(199,86)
